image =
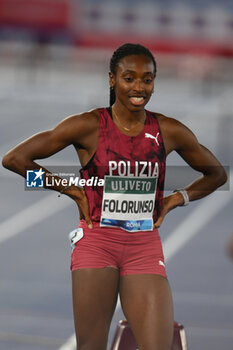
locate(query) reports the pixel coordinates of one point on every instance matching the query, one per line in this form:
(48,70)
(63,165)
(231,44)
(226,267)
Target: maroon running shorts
(131,253)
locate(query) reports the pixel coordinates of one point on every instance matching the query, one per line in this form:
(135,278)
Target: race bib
(128,202)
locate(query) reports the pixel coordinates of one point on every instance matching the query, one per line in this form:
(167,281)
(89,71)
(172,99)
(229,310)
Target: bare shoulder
(170,124)
(86,120)
(79,126)
(176,135)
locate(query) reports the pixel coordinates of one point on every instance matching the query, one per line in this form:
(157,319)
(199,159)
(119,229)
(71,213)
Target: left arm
(178,137)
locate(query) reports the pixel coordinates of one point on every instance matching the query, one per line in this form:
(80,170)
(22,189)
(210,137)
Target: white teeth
(137,99)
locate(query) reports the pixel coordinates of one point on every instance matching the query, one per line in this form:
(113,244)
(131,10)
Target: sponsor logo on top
(147,135)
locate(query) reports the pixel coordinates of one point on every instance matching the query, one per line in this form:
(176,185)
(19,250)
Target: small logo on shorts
(161,263)
(35,178)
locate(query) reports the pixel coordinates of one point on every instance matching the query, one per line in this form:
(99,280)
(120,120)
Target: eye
(128,79)
(148,80)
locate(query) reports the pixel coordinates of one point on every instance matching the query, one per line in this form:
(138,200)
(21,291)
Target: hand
(163,213)
(169,203)
(79,196)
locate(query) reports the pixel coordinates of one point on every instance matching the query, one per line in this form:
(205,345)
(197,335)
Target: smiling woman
(128,72)
(117,248)
(133,85)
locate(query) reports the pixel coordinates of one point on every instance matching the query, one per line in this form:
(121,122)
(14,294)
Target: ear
(112,80)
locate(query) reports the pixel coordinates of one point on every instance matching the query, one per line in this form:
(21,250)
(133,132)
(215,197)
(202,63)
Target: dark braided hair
(123,51)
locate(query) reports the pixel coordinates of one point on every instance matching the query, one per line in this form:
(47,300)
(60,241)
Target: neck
(128,120)
(126,114)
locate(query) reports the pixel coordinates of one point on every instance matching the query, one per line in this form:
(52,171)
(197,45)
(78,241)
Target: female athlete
(117,249)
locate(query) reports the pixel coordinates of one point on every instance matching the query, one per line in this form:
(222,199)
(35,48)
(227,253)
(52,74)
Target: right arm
(78,130)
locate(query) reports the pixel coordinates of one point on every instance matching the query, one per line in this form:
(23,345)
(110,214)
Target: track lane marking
(193,223)
(32,215)
(70,344)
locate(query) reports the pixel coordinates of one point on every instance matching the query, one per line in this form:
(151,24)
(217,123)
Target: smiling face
(133,81)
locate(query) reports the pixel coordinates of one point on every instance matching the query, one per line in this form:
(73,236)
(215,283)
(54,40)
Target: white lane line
(206,210)
(32,215)
(70,344)
(191,226)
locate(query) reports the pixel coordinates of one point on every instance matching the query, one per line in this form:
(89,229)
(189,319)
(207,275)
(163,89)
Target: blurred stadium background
(54,58)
